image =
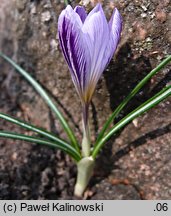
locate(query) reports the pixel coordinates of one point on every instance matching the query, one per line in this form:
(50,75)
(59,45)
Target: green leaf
(66,2)
(46,98)
(31,127)
(166,92)
(60,145)
(130,96)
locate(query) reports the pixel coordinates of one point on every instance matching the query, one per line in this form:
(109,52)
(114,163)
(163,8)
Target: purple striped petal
(95,10)
(97,30)
(81,12)
(74,48)
(115,26)
(88,43)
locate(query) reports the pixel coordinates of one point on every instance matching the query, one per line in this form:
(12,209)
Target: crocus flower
(88,43)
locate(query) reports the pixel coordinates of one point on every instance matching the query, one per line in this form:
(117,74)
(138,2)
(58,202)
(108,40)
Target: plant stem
(85,169)
(86,131)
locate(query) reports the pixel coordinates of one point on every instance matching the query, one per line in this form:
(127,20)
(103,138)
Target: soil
(136,163)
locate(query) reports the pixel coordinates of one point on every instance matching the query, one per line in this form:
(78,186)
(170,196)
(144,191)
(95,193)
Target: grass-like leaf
(46,98)
(66,2)
(31,127)
(130,96)
(60,145)
(166,92)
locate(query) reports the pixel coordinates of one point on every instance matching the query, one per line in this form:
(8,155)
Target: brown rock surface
(135,164)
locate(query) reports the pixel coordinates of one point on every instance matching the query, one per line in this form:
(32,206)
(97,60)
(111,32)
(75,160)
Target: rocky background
(135,164)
